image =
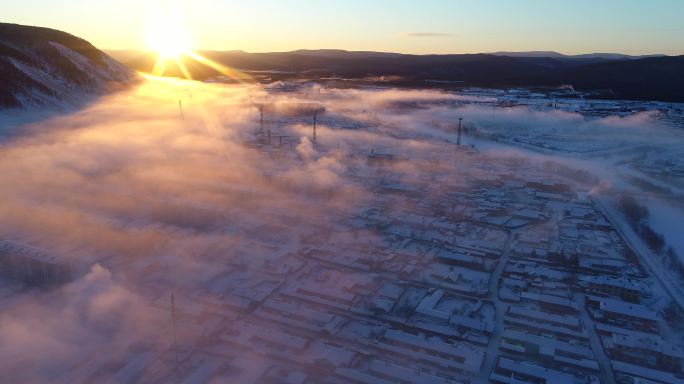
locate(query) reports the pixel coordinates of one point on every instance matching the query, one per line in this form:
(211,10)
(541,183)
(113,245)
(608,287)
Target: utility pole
(261,121)
(180,106)
(458,140)
(314,126)
(173,316)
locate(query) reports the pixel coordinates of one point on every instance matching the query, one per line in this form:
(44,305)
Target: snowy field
(294,255)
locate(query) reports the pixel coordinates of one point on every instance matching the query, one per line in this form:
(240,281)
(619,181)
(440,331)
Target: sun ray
(231,73)
(183,68)
(168,38)
(159,67)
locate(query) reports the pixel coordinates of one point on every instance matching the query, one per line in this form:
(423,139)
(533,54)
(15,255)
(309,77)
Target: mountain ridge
(45,67)
(656,78)
(558,55)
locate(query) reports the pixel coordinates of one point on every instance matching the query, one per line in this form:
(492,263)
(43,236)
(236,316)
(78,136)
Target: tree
(654,240)
(635,212)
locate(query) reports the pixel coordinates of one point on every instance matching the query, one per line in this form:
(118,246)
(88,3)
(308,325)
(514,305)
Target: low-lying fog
(137,177)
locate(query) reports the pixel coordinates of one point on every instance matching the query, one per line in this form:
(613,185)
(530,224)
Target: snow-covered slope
(41,67)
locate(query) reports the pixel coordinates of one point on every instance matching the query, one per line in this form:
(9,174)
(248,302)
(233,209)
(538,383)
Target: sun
(167,36)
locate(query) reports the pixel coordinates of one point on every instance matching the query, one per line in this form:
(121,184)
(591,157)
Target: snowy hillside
(44,67)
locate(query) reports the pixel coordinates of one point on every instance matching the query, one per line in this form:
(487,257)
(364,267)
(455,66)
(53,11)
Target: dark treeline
(637,216)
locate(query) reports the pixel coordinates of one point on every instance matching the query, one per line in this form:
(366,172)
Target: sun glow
(167,36)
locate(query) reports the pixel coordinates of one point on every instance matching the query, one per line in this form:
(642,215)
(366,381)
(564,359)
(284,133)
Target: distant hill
(342,54)
(556,55)
(327,63)
(652,78)
(45,67)
(610,75)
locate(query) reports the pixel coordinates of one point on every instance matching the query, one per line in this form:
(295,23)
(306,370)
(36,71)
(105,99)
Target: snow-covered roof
(628,309)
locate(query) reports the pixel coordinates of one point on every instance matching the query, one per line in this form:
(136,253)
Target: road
(603,361)
(501,308)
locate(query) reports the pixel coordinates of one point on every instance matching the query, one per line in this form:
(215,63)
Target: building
(628,289)
(32,265)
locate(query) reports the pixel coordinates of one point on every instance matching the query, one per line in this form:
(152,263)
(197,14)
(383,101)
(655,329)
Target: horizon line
(409,53)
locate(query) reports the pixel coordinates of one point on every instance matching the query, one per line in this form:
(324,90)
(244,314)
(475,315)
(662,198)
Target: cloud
(428,34)
(46,333)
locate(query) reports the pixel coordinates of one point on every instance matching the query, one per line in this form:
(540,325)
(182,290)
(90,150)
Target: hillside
(652,78)
(45,67)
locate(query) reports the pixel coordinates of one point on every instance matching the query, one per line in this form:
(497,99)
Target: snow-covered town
(342,236)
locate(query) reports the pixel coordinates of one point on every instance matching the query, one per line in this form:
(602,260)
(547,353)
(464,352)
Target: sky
(425,26)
